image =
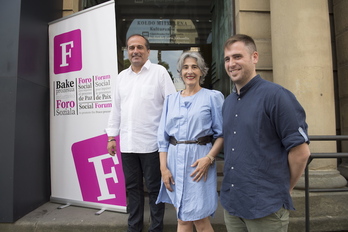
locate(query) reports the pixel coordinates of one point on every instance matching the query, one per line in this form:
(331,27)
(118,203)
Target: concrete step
(48,218)
(328,212)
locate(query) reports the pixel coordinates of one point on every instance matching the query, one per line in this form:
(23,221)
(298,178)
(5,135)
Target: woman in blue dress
(191,120)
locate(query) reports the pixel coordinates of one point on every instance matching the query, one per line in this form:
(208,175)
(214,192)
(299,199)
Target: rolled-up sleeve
(291,120)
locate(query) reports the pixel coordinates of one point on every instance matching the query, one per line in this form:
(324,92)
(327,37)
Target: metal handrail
(328,137)
(321,155)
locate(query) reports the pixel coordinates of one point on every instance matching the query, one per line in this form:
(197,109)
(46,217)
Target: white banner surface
(83,65)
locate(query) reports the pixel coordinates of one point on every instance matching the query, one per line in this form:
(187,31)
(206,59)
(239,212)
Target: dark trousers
(137,166)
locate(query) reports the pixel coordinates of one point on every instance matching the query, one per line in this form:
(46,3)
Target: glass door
(171,28)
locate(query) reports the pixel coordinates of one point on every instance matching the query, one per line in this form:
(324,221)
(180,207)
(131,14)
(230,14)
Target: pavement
(50,218)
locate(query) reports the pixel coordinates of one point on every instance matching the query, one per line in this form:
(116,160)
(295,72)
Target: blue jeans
(136,167)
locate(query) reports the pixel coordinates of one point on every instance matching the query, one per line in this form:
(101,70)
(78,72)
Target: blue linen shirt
(260,126)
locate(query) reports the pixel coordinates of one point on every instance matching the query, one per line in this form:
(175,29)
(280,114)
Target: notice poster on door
(83,66)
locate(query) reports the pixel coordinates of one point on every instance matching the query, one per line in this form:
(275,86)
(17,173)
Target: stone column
(340,9)
(302,63)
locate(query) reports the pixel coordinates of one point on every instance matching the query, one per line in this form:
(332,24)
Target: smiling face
(137,51)
(190,72)
(240,63)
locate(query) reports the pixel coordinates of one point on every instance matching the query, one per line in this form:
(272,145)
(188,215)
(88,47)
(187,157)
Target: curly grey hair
(200,62)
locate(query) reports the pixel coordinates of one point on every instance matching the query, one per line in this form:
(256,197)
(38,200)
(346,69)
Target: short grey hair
(200,62)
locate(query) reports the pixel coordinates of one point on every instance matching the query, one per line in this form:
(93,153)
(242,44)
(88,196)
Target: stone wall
(70,7)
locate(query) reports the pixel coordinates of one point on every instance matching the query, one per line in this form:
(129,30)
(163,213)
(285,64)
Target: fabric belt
(200,141)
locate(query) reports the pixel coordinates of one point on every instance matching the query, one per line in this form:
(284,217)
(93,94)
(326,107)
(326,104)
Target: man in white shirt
(136,110)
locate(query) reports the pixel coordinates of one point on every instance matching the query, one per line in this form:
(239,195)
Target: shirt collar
(248,86)
(146,66)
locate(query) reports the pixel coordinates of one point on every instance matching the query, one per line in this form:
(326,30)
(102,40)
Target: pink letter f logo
(67,52)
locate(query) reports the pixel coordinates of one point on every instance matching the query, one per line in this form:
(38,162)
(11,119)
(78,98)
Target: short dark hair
(147,43)
(247,40)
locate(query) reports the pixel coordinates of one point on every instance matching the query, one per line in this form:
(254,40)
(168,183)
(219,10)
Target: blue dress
(188,118)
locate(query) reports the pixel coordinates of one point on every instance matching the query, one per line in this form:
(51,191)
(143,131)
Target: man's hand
(111,146)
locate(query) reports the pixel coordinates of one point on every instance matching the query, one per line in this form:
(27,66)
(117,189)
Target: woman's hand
(202,165)
(167,179)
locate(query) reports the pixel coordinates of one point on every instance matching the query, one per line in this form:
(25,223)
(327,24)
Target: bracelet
(212,159)
(111,140)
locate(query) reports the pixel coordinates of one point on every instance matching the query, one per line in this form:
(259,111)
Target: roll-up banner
(83,66)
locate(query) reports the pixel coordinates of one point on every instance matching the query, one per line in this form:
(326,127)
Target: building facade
(299,44)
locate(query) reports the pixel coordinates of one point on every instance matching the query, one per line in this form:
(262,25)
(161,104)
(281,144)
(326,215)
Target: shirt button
(239,99)
(236,115)
(232,167)
(232,185)
(234,132)
(232,149)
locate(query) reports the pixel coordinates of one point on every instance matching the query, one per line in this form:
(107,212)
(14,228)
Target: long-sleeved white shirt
(137,106)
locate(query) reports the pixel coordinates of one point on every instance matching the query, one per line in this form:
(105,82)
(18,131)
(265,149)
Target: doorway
(171,28)
(174,26)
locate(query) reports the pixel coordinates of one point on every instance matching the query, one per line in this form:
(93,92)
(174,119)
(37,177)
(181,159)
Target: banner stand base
(100,212)
(101,207)
(63,206)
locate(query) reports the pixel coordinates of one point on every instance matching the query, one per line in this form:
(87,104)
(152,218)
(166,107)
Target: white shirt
(137,107)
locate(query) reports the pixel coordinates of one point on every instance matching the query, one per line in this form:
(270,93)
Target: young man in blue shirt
(265,145)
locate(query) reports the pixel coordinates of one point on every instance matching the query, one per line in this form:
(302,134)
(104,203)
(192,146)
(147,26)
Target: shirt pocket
(147,92)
